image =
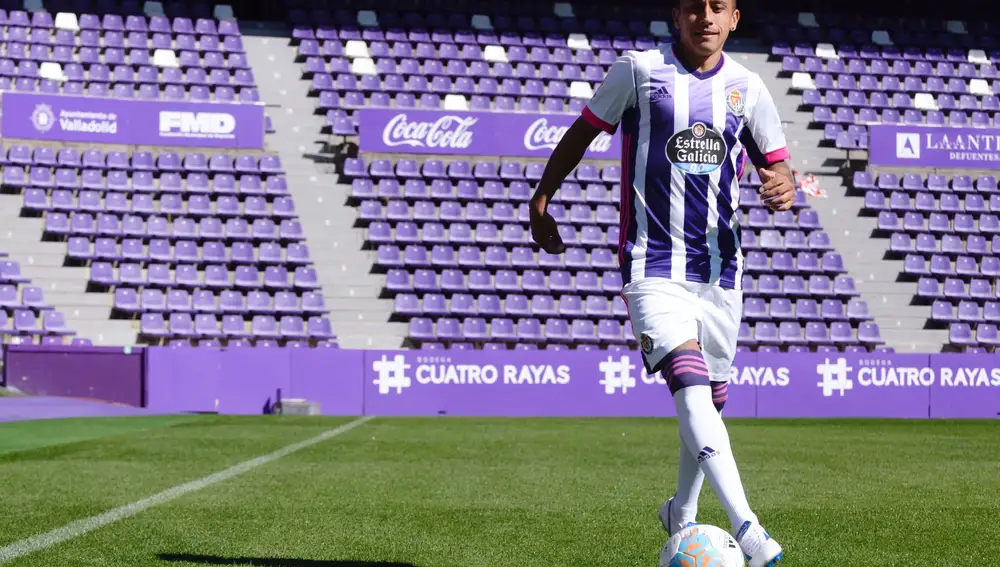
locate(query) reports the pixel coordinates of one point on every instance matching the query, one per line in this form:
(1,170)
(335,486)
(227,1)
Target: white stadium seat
(826,51)
(802,81)
(581,89)
(356,48)
(455,102)
(495,54)
(578,41)
(165,58)
(67,21)
(363,66)
(925,101)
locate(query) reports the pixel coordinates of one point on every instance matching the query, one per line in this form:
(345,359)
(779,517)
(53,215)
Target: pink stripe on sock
(687,360)
(682,368)
(689,357)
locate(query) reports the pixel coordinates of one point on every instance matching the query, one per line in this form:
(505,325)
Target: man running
(690,118)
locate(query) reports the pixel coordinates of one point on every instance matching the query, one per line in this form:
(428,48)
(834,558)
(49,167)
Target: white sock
(705,435)
(689,481)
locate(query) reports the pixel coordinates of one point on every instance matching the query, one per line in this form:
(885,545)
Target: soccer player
(690,118)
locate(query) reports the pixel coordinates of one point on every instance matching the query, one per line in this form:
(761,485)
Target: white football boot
(758,547)
(670,525)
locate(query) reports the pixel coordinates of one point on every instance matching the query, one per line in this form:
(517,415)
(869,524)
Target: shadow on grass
(274,561)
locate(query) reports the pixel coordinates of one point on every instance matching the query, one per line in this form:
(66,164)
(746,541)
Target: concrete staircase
(359,317)
(900,322)
(65,287)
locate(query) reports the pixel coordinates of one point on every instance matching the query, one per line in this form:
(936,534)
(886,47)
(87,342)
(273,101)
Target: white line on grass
(87,525)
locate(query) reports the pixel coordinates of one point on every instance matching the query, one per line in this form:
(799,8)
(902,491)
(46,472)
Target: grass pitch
(453,492)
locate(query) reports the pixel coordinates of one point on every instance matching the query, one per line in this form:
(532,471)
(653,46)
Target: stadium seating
(451,238)
(434,64)
(451,234)
(25,317)
(855,71)
(946,231)
(131,56)
(194,245)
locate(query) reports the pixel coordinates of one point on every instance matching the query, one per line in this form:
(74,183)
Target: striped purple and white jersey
(686,137)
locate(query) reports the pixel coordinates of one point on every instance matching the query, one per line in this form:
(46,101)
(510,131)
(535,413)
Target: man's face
(704,25)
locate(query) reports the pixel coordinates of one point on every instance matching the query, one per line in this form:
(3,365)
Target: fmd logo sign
(197,124)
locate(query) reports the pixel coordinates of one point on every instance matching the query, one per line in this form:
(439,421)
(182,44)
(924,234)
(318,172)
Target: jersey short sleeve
(615,95)
(766,144)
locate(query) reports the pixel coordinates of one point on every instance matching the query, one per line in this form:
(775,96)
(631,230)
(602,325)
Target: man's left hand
(778,191)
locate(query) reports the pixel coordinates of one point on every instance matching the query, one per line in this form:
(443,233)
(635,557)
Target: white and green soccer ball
(702,545)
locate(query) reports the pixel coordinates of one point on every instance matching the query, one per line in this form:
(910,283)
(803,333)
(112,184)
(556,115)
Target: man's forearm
(565,157)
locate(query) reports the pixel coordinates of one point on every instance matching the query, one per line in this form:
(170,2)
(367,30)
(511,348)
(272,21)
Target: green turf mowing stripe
(35,434)
(86,525)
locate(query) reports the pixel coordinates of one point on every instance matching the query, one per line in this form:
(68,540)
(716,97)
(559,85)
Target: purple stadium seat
(320,328)
(234,326)
(583,331)
(557,330)
(231,302)
(529,330)
(153,300)
(153,325)
(766,332)
(264,326)
(257,302)
(126,300)
(182,324)
(292,326)
(968,311)
(943,311)
(206,325)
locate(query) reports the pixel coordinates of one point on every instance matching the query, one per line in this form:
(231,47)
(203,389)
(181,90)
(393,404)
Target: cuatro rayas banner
(506,383)
(96,120)
(602,383)
(514,134)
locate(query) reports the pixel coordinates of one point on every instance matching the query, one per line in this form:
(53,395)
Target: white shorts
(666,314)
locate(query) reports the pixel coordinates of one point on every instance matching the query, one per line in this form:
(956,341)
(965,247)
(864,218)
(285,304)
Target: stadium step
(900,323)
(351,291)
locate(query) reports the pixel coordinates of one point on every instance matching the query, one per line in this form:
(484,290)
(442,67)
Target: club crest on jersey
(735,102)
(646,343)
(698,150)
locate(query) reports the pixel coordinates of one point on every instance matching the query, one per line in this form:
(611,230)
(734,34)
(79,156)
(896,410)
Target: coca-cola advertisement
(509,134)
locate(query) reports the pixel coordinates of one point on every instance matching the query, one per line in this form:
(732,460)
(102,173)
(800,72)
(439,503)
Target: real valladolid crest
(458,132)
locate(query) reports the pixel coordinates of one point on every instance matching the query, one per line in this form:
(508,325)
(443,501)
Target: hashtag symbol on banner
(834,377)
(617,374)
(391,374)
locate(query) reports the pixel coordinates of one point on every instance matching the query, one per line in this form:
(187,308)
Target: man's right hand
(544,230)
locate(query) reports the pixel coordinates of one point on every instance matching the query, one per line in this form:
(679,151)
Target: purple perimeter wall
(511,383)
(79,372)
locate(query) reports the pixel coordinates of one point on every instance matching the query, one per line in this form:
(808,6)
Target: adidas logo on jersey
(659,94)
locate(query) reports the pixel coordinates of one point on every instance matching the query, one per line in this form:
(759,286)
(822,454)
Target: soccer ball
(702,546)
